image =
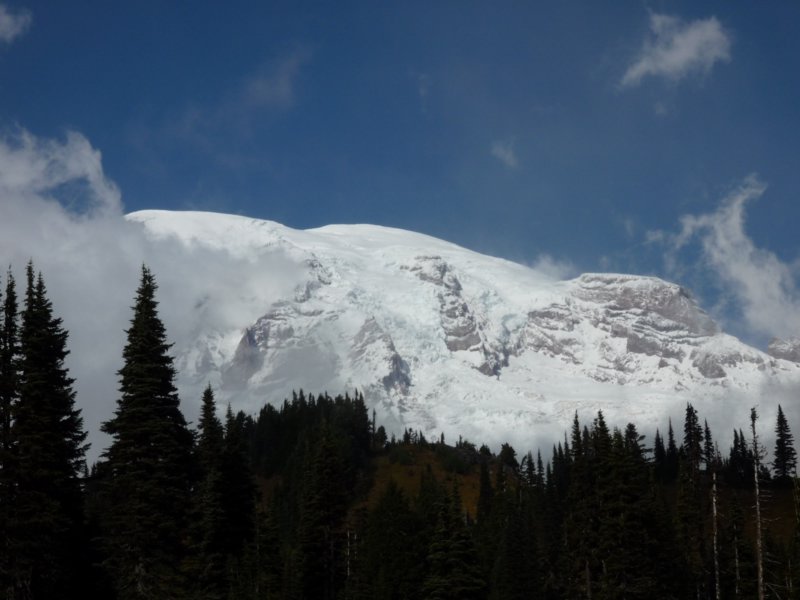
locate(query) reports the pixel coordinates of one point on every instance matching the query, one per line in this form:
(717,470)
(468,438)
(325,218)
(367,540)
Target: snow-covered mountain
(443,339)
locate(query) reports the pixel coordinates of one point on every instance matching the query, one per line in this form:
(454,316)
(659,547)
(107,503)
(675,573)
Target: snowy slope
(443,339)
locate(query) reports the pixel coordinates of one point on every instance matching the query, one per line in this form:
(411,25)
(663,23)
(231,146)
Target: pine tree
(785,463)
(47,432)
(148,463)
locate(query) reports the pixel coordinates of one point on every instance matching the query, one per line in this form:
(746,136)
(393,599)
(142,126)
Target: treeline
(312,500)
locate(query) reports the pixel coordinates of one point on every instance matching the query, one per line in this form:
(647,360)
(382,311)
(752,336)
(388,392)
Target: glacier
(442,339)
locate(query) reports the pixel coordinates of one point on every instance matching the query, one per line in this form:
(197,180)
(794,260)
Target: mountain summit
(443,339)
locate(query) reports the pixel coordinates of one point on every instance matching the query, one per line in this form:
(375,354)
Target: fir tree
(485,494)
(47,539)
(672,456)
(391,555)
(692,441)
(148,463)
(210,577)
(452,559)
(659,457)
(785,463)
(709,453)
(238,485)
(9,385)
(318,560)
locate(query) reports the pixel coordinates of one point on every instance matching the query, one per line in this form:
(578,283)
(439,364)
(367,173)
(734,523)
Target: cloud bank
(59,209)
(762,286)
(13,25)
(675,49)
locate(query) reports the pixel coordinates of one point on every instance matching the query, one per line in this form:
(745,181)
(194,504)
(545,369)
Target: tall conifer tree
(9,377)
(209,527)
(785,463)
(148,470)
(692,440)
(47,432)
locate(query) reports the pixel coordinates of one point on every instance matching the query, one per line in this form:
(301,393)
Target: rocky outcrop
(785,349)
(374,349)
(463,330)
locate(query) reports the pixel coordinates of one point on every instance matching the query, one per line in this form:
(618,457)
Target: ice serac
(443,339)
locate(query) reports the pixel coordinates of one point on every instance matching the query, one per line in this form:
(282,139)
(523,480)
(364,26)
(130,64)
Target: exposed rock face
(463,331)
(375,348)
(785,349)
(629,327)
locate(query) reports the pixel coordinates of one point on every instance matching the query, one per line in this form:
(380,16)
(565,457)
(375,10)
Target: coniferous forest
(312,500)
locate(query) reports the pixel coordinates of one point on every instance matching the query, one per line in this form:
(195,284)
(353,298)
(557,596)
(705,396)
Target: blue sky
(647,137)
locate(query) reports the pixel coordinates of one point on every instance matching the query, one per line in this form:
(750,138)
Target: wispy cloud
(422,81)
(219,126)
(13,24)
(759,283)
(273,85)
(503,150)
(554,268)
(675,49)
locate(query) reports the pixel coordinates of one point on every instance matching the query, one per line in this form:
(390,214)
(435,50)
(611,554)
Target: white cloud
(13,25)
(675,49)
(32,168)
(59,209)
(503,150)
(758,282)
(554,268)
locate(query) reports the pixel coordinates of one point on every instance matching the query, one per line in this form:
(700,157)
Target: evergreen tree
(739,468)
(709,453)
(318,564)
(785,463)
(757,454)
(148,470)
(659,457)
(452,559)
(391,558)
(672,456)
(47,538)
(238,496)
(209,525)
(692,441)
(485,494)
(269,562)
(9,387)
